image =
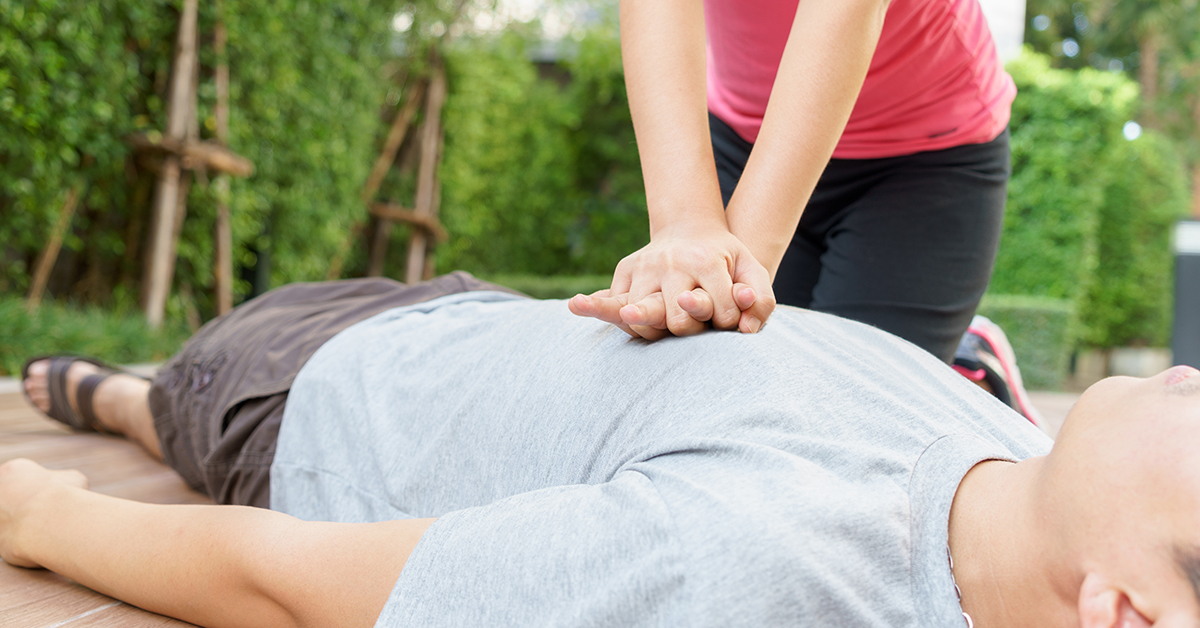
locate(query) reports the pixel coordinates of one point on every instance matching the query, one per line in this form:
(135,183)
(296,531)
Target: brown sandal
(56,382)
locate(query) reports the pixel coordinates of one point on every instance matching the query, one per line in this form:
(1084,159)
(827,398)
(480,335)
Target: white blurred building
(1007,20)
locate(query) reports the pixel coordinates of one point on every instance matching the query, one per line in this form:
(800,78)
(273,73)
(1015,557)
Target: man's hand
(679,260)
(20,481)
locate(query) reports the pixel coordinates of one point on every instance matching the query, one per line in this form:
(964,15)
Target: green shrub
(508,172)
(554,287)
(1065,127)
(538,177)
(1089,213)
(76,77)
(1132,303)
(115,337)
(1041,332)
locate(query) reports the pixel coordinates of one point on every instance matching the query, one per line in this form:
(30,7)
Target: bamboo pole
(186,175)
(377,251)
(426,171)
(45,261)
(391,145)
(430,263)
(223,236)
(157,276)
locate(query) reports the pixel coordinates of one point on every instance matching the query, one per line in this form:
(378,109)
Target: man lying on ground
(473,458)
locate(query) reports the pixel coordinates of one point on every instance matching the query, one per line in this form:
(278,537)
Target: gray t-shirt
(799,476)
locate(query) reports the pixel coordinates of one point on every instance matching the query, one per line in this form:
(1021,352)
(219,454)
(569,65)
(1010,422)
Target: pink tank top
(935,80)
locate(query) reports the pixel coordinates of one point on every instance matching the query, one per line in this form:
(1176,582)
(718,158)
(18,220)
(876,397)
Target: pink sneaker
(984,354)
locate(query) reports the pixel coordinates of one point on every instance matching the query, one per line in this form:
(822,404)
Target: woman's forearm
(662,48)
(218,565)
(824,64)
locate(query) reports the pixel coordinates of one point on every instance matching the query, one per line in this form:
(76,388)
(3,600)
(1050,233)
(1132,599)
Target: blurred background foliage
(539,172)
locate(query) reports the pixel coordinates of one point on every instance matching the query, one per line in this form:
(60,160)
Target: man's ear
(1102,605)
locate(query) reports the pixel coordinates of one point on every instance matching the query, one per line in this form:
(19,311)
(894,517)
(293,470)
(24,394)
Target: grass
(119,338)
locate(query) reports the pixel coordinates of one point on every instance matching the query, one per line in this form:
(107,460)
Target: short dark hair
(1188,559)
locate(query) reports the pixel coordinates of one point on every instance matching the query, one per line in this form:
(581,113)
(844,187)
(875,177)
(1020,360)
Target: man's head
(1125,478)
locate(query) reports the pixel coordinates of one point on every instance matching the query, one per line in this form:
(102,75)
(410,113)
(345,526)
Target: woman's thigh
(905,244)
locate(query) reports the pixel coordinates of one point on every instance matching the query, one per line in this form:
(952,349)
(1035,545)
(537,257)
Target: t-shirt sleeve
(583,555)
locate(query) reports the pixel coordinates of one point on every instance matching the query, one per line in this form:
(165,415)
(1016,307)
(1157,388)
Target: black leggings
(906,244)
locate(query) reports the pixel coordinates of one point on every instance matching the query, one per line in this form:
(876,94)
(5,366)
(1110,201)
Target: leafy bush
(539,177)
(1146,195)
(76,77)
(121,337)
(1065,127)
(1040,330)
(554,287)
(507,175)
(1089,213)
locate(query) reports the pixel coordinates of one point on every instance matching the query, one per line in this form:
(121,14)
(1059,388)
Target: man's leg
(120,402)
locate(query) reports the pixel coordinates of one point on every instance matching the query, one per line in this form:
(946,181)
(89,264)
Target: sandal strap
(83,398)
(60,406)
(56,383)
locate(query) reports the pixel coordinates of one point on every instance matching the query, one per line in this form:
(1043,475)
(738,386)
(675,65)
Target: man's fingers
(697,304)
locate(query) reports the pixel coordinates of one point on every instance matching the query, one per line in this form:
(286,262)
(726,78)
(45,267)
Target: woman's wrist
(687,220)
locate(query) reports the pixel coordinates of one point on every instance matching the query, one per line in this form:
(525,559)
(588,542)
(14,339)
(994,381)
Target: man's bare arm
(209,565)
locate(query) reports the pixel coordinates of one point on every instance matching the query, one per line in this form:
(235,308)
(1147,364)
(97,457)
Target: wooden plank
(391,145)
(45,261)
(124,616)
(377,251)
(430,269)
(114,466)
(194,154)
(426,171)
(392,212)
(223,230)
(36,598)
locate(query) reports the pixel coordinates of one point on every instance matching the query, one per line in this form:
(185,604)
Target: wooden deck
(38,598)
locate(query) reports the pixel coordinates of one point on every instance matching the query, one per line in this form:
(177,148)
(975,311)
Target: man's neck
(1003,563)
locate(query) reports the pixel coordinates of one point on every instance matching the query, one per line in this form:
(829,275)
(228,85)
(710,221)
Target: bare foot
(120,403)
(37,386)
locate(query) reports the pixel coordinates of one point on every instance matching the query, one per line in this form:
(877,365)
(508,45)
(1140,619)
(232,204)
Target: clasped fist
(687,279)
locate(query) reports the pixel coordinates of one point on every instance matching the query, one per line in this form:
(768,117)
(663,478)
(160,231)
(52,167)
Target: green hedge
(1065,127)
(1089,213)
(553,287)
(120,337)
(538,177)
(76,77)
(1041,332)
(1132,302)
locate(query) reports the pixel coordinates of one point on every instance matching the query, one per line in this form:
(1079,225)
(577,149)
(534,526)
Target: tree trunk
(1196,165)
(223,231)
(427,180)
(156,281)
(1149,47)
